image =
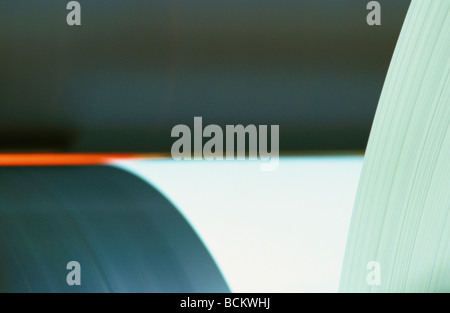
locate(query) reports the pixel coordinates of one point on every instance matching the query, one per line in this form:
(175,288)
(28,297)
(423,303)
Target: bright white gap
(281,231)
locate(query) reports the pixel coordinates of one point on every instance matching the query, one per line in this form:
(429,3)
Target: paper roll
(400,229)
(124,234)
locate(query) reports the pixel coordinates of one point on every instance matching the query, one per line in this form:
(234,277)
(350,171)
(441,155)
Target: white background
(280,231)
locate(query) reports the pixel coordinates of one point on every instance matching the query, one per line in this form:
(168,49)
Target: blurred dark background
(135,69)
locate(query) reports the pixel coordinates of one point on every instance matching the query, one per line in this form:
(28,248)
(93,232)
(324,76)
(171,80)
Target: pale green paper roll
(401,214)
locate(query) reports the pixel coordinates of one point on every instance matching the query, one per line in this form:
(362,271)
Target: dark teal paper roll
(125,235)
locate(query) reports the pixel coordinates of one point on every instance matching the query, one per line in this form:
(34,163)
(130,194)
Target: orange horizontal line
(61,159)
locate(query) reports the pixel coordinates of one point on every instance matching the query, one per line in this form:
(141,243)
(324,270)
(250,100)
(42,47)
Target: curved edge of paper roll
(401,215)
(123,165)
(125,234)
